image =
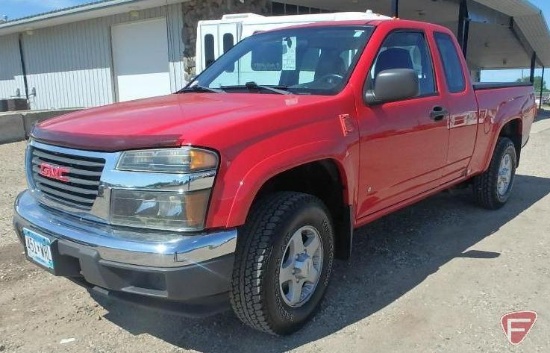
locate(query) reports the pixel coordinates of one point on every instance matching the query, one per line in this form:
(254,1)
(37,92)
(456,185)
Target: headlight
(164,204)
(171,160)
(166,210)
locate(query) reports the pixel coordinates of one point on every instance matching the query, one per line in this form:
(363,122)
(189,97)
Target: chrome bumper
(139,247)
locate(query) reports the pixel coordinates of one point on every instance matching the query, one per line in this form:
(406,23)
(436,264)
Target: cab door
(461,103)
(403,144)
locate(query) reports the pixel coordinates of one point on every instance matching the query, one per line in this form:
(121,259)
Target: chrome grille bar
(80,185)
(55,157)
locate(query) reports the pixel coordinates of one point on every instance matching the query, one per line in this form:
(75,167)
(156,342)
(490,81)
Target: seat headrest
(393,58)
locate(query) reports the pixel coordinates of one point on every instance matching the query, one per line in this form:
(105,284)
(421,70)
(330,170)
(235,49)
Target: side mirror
(393,85)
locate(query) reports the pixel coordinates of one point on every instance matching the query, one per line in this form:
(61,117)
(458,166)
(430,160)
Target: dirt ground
(435,277)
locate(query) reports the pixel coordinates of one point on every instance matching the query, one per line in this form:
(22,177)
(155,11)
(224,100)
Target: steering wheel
(332,79)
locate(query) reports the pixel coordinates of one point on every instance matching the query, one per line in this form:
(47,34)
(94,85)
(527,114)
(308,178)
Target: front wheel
(283,262)
(492,189)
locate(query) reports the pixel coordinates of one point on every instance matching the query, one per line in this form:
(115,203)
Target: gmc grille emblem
(54,172)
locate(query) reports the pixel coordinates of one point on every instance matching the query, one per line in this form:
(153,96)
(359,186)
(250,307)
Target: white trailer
(215,37)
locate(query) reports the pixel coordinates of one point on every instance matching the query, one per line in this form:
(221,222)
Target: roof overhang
(80,13)
(503,33)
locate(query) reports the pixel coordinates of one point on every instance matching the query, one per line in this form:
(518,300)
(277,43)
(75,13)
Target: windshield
(299,60)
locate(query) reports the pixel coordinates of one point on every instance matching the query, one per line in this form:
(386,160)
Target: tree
(538,80)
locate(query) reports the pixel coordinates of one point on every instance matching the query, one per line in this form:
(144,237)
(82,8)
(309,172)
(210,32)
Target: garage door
(140,56)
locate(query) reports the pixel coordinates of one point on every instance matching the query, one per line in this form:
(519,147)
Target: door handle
(438,113)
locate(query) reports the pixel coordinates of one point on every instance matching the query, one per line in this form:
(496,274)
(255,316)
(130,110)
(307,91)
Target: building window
(304,10)
(277,8)
(209,55)
(282,9)
(291,9)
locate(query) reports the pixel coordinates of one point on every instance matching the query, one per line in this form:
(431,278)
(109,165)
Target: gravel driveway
(435,277)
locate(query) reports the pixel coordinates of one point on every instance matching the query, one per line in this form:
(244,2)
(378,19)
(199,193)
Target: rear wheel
(492,189)
(283,262)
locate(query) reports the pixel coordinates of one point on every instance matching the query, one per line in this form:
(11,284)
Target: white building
(91,56)
(117,50)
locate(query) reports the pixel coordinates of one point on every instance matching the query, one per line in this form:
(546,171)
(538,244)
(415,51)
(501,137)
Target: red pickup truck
(243,187)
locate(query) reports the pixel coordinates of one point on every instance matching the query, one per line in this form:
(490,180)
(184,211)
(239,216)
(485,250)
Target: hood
(155,122)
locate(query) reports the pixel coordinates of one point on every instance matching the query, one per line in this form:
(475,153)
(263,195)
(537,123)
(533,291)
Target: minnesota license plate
(38,248)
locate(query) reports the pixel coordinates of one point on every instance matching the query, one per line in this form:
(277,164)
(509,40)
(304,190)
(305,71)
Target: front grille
(81,175)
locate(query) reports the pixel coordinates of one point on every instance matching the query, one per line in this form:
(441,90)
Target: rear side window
(451,63)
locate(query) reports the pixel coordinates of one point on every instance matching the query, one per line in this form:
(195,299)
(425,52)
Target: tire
(258,295)
(490,191)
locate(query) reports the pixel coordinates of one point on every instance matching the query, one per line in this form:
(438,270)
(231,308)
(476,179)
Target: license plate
(38,248)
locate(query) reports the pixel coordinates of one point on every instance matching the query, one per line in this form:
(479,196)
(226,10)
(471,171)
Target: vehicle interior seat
(330,63)
(399,58)
(393,58)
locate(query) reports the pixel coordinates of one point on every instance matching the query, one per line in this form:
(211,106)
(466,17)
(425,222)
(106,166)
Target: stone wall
(196,10)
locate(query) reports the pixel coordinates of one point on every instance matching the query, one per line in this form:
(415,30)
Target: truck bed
(498,104)
(495,85)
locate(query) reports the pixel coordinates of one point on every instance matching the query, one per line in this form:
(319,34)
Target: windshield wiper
(201,89)
(253,86)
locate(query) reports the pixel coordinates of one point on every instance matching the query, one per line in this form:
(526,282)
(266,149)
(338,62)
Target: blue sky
(21,8)
(512,75)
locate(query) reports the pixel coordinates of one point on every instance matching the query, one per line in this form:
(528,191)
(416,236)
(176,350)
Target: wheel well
(323,180)
(513,130)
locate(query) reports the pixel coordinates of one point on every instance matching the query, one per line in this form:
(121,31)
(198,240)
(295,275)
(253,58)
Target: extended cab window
(298,60)
(451,63)
(406,50)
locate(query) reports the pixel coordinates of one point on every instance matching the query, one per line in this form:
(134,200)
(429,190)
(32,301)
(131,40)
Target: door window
(406,50)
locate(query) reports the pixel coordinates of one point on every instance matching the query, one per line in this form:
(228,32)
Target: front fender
(270,167)
(232,204)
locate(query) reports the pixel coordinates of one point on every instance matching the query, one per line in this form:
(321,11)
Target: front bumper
(132,264)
